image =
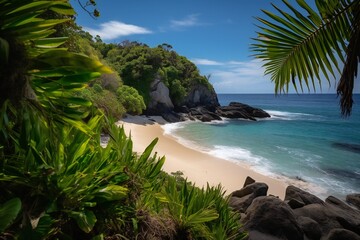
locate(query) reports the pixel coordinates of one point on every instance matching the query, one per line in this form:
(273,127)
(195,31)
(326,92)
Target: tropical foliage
(130,98)
(56,181)
(138,65)
(303,46)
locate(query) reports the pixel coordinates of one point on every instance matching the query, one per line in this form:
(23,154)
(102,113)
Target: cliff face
(200,95)
(160,101)
(201,103)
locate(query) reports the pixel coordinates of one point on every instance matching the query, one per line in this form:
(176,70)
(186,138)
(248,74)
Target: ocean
(306,142)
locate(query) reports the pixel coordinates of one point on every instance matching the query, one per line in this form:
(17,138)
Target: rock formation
(201,103)
(200,95)
(160,101)
(300,216)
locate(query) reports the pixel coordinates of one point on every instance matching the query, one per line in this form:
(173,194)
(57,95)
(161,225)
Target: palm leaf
(300,46)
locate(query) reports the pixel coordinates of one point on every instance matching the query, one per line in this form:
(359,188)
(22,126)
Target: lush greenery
(56,181)
(107,92)
(138,65)
(306,45)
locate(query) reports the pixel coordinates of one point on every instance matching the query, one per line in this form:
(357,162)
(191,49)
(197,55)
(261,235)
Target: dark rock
(293,192)
(240,110)
(200,95)
(182,109)
(248,181)
(241,199)
(231,112)
(256,235)
(172,117)
(203,114)
(160,101)
(320,214)
(271,216)
(293,203)
(255,112)
(342,234)
(338,203)
(354,199)
(331,214)
(257,188)
(310,227)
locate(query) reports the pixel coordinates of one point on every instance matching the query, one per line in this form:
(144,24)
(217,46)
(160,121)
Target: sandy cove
(198,167)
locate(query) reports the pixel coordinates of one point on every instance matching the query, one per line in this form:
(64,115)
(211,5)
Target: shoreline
(198,167)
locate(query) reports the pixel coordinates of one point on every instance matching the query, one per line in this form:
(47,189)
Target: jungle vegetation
(56,181)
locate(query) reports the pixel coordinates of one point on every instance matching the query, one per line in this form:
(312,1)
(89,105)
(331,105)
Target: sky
(214,34)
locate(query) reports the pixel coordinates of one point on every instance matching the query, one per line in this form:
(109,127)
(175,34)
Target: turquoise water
(305,142)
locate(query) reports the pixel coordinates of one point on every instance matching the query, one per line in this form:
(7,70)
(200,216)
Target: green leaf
(50,42)
(156,168)
(112,192)
(145,155)
(4,52)
(85,220)
(8,212)
(202,216)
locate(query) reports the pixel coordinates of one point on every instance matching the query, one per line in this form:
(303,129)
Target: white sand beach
(198,167)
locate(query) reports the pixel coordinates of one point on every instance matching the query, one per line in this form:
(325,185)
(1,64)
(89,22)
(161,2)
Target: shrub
(131,99)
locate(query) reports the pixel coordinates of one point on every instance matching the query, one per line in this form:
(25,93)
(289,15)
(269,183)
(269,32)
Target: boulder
(248,181)
(172,117)
(256,235)
(160,101)
(338,203)
(203,114)
(342,234)
(310,227)
(241,199)
(330,215)
(354,199)
(240,110)
(230,112)
(255,112)
(271,216)
(301,196)
(293,203)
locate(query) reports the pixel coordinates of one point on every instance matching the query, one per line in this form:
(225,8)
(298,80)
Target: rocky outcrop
(342,234)
(271,216)
(242,199)
(354,199)
(200,104)
(200,95)
(235,110)
(240,110)
(160,101)
(202,114)
(300,216)
(296,194)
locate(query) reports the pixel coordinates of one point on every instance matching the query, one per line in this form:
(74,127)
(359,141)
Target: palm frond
(301,45)
(346,83)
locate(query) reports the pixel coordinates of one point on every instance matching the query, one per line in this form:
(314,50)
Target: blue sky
(214,34)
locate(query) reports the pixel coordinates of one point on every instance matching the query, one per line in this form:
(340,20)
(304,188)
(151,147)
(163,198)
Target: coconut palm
(302,46)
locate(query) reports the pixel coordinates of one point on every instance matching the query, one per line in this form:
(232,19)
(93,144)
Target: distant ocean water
(306,141)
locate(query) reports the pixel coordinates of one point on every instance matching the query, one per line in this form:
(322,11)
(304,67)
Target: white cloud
(245,77)
(114,29)
(206,62)
(188,21)
(237,76)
